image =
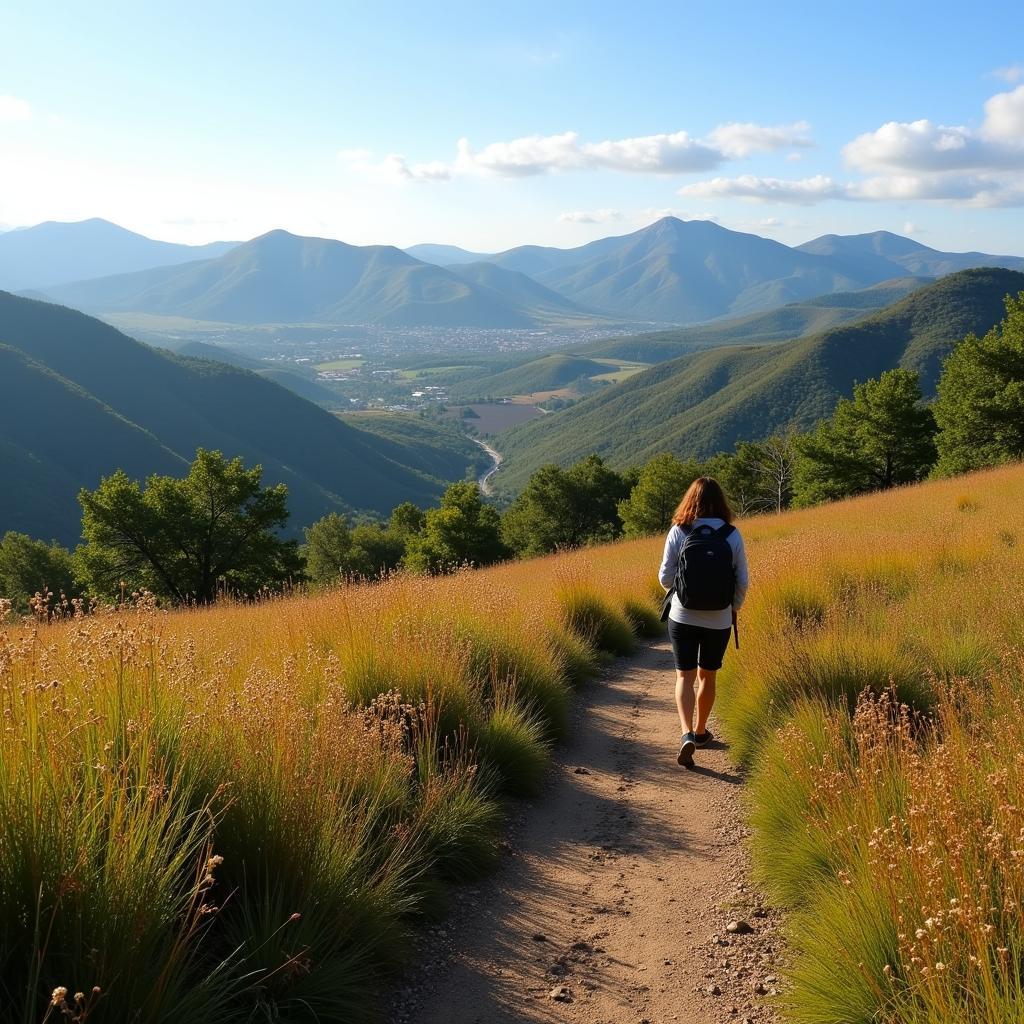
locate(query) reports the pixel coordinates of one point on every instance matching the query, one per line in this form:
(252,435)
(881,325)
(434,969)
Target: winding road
(485,478)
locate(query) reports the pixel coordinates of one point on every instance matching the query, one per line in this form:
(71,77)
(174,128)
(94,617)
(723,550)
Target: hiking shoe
(687,745)
(702,739)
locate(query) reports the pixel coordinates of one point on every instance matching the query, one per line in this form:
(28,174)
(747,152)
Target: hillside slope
(78,400)
(54,253)
(882,252)
(706,401)
(682,272)
(285,278)
(780,324)
(546,373)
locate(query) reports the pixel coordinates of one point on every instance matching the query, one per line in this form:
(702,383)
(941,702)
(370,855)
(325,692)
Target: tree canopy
(881,437)
(464,530)
(980,408)
(186,539)
(659,488)
(565,508)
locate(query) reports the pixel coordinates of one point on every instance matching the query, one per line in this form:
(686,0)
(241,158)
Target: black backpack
(705,575)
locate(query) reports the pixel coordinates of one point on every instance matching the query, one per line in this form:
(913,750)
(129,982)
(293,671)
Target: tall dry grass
(236,813)
(879,703)
(229,814)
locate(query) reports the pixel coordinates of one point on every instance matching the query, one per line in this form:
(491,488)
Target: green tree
(328,548)
(406,519)
(376,551)
(185,539)
(464,530)
(658,490)
(881,437)
(565,508)
(29,567)
(980,408)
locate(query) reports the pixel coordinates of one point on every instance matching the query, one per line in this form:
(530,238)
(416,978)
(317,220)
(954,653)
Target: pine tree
(980,408)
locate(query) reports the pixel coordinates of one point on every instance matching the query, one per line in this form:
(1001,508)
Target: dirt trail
(612,903)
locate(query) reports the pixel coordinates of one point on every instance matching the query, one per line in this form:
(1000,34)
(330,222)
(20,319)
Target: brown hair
(703,498)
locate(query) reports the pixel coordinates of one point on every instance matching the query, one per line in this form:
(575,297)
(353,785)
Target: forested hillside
(79,399)
(707,401)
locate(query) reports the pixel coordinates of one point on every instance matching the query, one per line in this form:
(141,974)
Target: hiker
(704,572)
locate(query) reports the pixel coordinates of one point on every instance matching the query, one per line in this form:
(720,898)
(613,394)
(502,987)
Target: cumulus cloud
(532,155)
(14,109)
(739,140)
(778,190)
(971,190)
(908,161)
(1004,118)
(924,146)
(589,216)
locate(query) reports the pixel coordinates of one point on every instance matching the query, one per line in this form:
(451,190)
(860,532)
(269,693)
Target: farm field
(494,417)
(339,364)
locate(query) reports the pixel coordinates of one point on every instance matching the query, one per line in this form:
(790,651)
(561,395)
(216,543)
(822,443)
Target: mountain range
(670,272)
(704,402)
(54,253)
(78,400)
(284,278)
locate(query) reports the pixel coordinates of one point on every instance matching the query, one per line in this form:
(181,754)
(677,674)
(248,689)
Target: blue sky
(197,121)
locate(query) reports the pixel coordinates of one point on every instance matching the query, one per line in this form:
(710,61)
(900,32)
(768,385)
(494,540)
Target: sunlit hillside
(207,813)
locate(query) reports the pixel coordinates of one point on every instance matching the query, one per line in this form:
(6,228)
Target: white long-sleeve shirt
(717,619)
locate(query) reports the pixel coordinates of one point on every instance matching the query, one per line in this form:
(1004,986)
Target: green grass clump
(514,750)
(643,618)
(592,616)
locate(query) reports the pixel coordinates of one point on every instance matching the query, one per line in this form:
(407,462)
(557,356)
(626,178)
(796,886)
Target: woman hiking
(704,571)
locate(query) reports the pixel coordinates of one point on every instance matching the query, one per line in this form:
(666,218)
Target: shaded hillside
(78,400)
(434,447)
(285,278)
(706,401)
(547,373)
(54,253)
(782,324)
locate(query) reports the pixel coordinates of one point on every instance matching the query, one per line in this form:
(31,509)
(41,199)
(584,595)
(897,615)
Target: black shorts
(697,645)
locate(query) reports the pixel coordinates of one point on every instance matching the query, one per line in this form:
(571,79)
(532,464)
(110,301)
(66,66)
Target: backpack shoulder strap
(725,531)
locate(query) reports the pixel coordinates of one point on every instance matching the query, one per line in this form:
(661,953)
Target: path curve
(616,889)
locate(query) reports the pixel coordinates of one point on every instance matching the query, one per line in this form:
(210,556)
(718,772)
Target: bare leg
(705,697)
(685,698)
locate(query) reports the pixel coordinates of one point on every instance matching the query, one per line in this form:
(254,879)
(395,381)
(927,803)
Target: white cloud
(1012,73)
(778,190)
(908,161)
(970,190)
(394,167)
(589,216)
(1004,118)
(924,146)
(910,228)
(14,109)
(532,155)
(738,141)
